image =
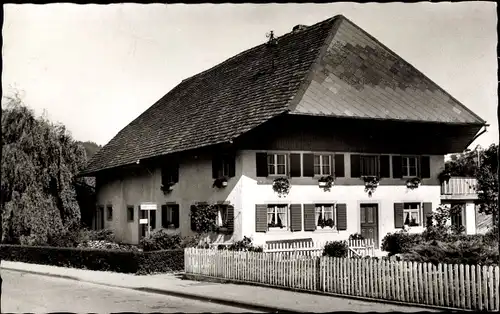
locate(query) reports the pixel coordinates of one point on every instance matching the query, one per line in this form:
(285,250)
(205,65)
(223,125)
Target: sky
(95,68)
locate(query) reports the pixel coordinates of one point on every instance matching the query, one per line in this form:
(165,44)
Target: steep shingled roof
(239,94)
(221,103)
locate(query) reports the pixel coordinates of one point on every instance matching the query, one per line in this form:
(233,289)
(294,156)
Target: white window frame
(406,169)
(413,210)
(321,164)
(275,164)
(334,216)
(274,208)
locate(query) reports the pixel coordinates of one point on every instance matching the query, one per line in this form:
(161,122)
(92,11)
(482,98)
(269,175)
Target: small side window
(130,213)
(109,212)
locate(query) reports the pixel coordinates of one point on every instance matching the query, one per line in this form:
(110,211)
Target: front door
(369,222)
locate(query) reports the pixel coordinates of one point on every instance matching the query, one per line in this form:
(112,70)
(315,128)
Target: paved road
(29,293)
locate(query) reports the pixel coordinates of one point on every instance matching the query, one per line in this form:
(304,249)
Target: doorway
(369,222)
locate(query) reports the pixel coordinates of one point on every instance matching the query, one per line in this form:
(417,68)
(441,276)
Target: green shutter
(295,165)
(308,161)
(164,212)
(339,166)
(398,215)
(355,166)
(309,221)
(261,164)
(296,217)
(231,159)
(427,211)
(260,218)
(425,164)
(341,217)
(230,218)
(397,167)
(175,215)
(216,166)
(385,166)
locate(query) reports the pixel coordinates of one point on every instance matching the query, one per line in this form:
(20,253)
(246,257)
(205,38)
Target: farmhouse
(354,134)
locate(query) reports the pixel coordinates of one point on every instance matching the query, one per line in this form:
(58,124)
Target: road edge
(197,297)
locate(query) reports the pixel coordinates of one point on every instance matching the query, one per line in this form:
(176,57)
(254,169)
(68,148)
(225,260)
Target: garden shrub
(92,259)
(400,242)
(161,261)
(356,236)
(242,245)
(336,249)
(161,240)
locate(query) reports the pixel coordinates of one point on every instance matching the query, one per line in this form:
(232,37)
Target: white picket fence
(454,286)
(296,249)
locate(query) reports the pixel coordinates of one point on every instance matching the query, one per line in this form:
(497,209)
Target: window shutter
(193,224)
(309,221)
(397,167)
(341,217)
(308,161)
(216,165)
(261,164)
(164,222)
(385,166)
(175,173)
(295,165)
(296,217)
(339,165)
(176,215)
(355,166)
(427,211)
(230,218)
(425,165)
(398,215)
(231,159)
(260,218)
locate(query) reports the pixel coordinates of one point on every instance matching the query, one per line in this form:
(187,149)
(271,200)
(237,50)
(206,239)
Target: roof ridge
(414,68)
(255,48)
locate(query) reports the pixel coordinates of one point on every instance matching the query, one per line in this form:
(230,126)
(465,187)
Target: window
(276,164)
(130,213)
(409,166)
(324,216)
(411,214)
(322,165)
(109,212)
(369,165)
(277,216)
(152,217)
(224,168)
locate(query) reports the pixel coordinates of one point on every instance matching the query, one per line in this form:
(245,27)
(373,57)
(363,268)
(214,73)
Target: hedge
(94,259)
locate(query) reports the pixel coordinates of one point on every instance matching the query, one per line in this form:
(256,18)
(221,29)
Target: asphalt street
(30,293)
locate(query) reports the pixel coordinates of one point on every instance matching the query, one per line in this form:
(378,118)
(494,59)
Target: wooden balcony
(459,188)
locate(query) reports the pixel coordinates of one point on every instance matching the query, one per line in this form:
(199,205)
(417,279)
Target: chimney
(298,28)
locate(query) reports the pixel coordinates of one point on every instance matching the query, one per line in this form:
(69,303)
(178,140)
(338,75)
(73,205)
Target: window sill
(278,230)
(326,230)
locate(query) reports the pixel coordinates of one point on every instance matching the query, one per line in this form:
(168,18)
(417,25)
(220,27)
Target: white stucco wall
(346,190)
(245,190)
(195,185)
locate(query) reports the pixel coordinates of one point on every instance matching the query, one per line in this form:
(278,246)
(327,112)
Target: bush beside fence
(455,286)
(94,259)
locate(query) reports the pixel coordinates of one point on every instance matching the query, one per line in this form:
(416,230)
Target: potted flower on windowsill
(166,188)
(413,183)
(281,186)
(371,183)
(326,182)
(220,182)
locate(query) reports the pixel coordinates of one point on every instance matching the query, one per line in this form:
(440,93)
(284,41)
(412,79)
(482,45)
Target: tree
(483,165)
(39,163)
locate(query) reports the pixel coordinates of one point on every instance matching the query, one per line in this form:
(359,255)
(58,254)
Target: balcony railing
(459,186)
